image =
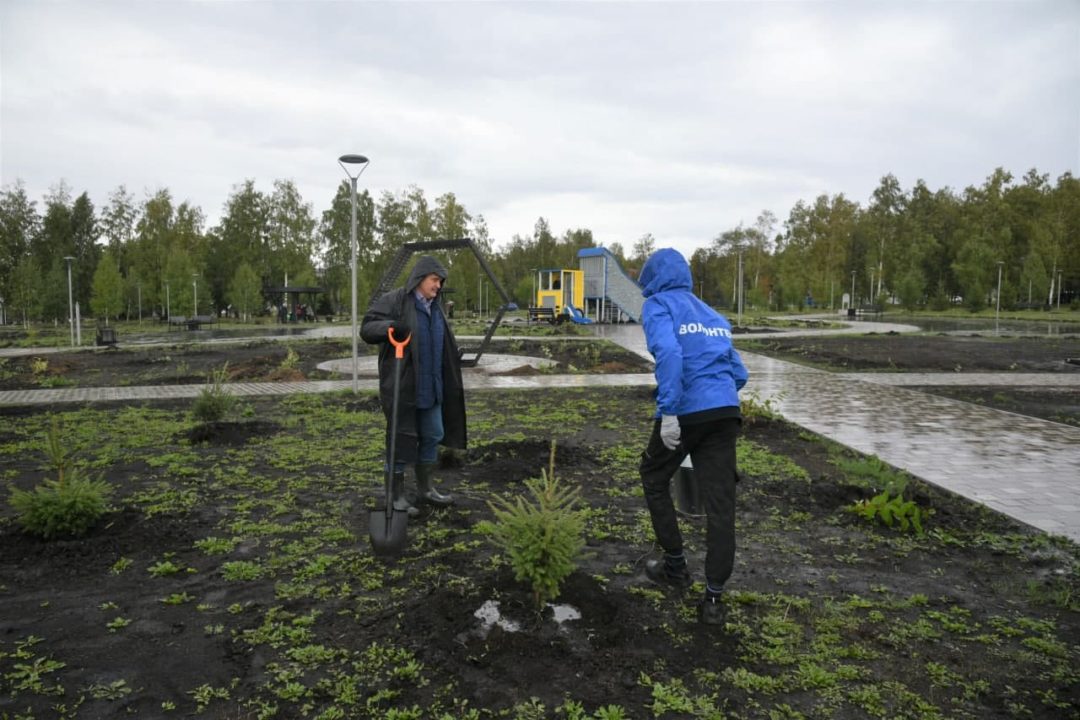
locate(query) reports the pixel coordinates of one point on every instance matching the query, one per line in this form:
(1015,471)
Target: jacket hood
(666,269)
(424,267)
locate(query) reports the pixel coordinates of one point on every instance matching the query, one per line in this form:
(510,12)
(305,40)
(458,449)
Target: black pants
(711,446)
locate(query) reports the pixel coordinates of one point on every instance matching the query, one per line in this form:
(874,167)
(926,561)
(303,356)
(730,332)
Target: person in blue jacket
(698,376)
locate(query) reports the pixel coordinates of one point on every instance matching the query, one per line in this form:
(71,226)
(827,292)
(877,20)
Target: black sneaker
(658,572)
(711,612)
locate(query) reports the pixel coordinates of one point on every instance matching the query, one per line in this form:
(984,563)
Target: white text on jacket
(688,328)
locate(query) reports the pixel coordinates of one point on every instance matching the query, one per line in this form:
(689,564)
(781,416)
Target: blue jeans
(429,427)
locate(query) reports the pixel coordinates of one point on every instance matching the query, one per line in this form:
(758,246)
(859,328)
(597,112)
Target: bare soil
(233,577)
(264,361)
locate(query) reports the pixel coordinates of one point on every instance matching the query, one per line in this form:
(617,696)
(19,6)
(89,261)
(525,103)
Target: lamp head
(353,159)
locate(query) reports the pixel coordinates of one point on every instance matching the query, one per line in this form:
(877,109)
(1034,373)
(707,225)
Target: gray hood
(424,267)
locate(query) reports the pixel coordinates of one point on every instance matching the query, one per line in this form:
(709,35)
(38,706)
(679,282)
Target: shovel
(387,527)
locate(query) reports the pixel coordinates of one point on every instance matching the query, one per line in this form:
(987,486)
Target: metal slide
(608,287)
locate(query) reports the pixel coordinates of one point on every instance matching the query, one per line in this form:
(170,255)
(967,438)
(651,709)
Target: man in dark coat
(431,405)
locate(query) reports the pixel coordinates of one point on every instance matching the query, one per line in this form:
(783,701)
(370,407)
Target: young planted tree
(66,505)
(542,537)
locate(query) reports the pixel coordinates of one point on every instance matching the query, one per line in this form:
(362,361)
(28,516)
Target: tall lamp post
(851,303)
(1059,290)
(739,323)
(138,287)
(345,161)
(168,310)
(997,307)
(71,304)
(195,293)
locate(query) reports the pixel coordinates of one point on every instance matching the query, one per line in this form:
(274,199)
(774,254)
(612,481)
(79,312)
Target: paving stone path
(1024,467)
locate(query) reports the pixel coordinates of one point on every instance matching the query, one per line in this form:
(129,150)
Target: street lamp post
(363,162)
(851,303)
(168,309)
(997,307)
(739,323)
(1059,290)
(71,305)
(138,287)
(195,293)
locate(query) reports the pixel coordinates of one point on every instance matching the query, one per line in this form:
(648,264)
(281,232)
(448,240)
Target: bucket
(687,496)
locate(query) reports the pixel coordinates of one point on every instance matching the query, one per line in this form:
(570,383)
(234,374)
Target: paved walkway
(1024,467)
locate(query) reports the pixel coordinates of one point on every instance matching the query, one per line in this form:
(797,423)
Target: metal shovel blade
(387,530)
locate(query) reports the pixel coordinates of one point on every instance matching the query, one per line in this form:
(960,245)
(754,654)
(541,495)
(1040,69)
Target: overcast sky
(678,119)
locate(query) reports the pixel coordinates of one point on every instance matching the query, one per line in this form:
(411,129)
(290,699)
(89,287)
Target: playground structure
(598,291)
(559,295)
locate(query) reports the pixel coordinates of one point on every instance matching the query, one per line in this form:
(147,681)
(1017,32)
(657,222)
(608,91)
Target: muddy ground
(233,575)
(266,361)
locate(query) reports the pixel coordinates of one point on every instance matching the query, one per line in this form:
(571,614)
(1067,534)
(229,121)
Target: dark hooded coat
(400,305)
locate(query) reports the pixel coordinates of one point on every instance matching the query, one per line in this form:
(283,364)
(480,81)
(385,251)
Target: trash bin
(851,312)
(687,496)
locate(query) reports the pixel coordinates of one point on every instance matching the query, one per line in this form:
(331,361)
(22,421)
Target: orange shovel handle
(399,345)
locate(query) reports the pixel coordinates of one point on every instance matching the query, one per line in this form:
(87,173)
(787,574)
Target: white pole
(997,308)
(740,288)
(352,267)
(71,305)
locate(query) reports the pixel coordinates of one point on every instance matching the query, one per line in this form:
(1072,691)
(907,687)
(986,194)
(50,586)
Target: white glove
(670,434)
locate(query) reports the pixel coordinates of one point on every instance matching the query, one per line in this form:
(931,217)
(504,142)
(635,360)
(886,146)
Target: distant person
(431,410)
(698,377)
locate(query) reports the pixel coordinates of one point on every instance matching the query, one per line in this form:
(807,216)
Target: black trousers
(711,447)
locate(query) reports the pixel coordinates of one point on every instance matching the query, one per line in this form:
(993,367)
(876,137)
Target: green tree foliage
(84,237)
(334,241)
(245,291)
(242,236)
(108,289)
(19,222)
(291,240)
(910,246)
(118,224)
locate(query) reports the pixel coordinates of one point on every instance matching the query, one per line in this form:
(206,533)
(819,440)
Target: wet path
(1024,467)
(1021,466)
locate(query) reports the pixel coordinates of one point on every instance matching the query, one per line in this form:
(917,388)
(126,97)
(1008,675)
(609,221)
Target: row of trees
(154,257)
(913,247)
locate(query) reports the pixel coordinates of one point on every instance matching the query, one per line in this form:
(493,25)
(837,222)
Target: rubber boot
(425,489)
(401,502)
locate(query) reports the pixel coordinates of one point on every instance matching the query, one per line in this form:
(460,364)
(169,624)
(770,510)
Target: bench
(542,313)
(192,323)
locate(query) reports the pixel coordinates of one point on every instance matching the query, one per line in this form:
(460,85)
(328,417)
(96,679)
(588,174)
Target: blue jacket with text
(697,367)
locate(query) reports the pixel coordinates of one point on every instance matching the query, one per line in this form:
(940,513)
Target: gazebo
(289,302)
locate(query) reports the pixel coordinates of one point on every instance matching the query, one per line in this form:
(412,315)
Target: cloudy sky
(672,118)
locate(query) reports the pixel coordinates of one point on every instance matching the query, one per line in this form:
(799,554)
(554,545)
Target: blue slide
(576,315)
